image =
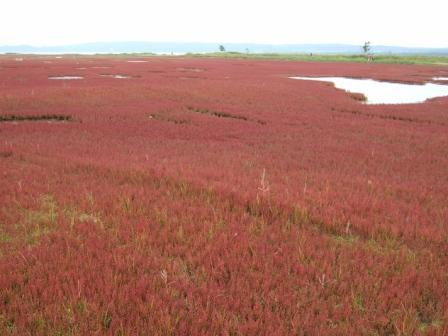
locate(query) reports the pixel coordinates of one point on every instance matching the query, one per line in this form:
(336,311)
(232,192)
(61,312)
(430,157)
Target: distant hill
(186,47)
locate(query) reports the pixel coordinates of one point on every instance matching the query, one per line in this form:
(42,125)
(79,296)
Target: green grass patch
(387,58)
(4,237)
(37,223)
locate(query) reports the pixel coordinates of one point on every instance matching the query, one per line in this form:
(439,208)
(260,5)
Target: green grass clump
(385,58)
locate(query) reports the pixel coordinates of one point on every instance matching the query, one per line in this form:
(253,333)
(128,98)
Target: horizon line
(217,43)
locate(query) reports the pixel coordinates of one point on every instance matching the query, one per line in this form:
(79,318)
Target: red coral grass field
(207,196)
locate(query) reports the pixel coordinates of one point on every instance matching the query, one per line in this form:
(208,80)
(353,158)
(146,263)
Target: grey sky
(56,22)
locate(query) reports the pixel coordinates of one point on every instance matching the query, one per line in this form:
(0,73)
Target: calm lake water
(378,92)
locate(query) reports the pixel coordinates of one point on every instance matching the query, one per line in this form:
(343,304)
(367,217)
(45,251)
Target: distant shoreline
(299,57)
(177,48)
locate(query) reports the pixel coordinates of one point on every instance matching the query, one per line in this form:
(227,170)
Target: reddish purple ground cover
(213,196)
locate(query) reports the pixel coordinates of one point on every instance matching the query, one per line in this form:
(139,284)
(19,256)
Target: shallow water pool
(379,92)
(66,77)
(116,76)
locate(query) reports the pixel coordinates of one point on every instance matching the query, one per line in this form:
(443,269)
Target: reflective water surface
(66,77)
(379,92)
(116,76)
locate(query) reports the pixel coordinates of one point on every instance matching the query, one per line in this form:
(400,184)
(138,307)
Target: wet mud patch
(164,118)
(385,116)
(5,154)
(358,96)
(220,114)
(36,117)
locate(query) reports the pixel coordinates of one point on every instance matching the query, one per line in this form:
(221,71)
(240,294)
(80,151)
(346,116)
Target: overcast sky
(387,22)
